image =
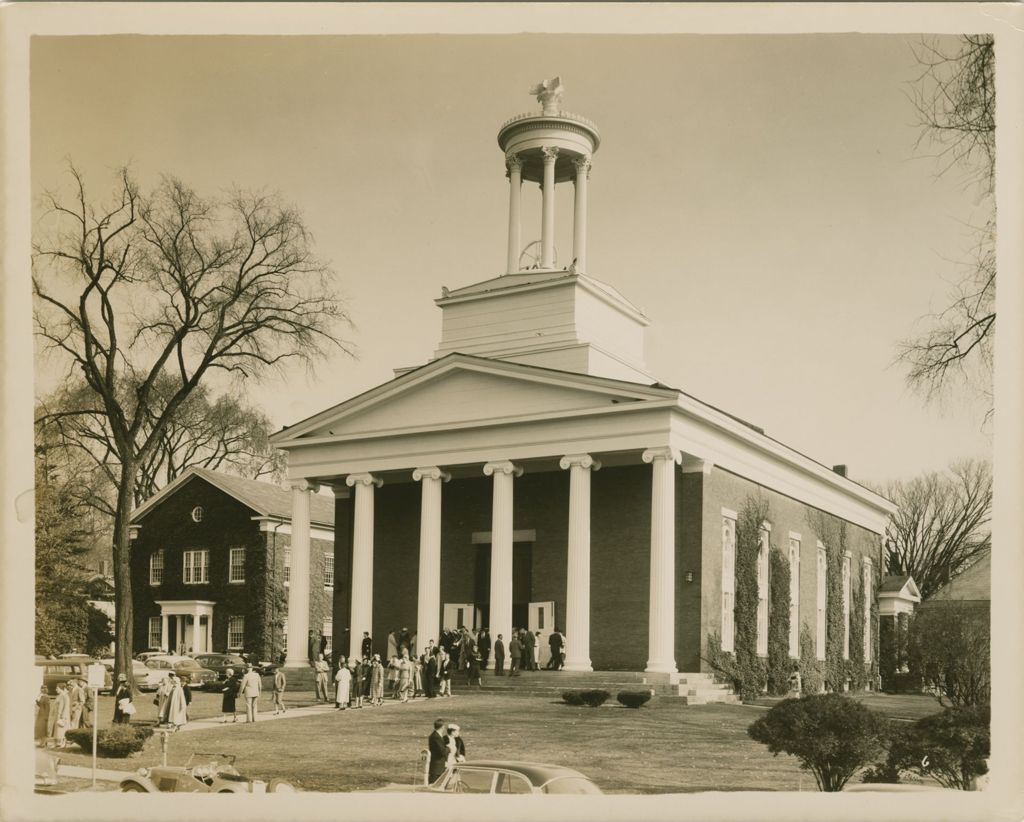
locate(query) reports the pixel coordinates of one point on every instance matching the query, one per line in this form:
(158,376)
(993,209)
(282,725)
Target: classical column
(548,218)
(579,224)
(577,588)
(428,603)
(209,633)
(501,547)
(662,615)
(515,187)
(298,587)
(195,633)
(362,559)
(163,633)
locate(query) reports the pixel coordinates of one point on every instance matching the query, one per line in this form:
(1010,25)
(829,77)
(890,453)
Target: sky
(759,197)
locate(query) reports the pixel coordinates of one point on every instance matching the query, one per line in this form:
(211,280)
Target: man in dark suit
(483,644)
(437,744)
(366,648)
(515,653)
(499,656)
(555,642)
(528,641)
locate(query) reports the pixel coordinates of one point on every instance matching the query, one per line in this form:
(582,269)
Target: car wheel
(281,786)
(133,787)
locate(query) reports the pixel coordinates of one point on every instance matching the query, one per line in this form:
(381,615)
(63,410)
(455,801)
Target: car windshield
(157,663)
(188,664)
(469,780)
(571,784)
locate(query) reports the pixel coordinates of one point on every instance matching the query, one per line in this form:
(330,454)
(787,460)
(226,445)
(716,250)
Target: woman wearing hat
(122,693)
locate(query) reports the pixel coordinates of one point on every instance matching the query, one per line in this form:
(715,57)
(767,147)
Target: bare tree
(955,99)
(942,524)
(171,286)
(222,434)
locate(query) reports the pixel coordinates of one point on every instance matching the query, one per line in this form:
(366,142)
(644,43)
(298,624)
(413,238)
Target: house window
(236,633)
(762,594)
(728,581)
(794,597)
(328,632)
(822,603)
(868,599)
(155,634)
(846,607)
(287,565)
(236,565)
(156,567)
(328,570)
(196,567)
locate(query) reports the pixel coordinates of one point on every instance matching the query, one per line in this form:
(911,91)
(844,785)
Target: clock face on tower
(532,254)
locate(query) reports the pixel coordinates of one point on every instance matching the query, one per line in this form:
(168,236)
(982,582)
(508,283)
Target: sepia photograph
(488,408)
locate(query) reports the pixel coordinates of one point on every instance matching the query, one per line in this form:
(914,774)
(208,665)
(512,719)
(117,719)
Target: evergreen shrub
(582,696)
(115,742)
(634,699)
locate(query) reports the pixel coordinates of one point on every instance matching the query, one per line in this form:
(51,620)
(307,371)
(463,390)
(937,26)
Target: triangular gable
(907,591)
(460,388)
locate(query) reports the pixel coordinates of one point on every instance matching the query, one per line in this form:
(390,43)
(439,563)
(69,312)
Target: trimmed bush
(832,736)
(590,698)
(115,742)
(634,699)
(950,747)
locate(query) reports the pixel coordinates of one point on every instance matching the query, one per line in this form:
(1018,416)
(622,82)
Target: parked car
(61,670)
(203,773)
(144,655)
(46,767)
(263,667)
(219,663)
(500,777)
(187,668)
(139,670)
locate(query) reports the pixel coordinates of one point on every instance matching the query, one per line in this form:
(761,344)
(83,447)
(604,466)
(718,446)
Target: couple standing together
(446,748)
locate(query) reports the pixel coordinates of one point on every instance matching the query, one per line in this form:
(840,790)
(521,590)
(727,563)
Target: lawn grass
(664,747)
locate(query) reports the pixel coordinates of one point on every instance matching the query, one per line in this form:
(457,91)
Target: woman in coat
(42,716)
(404,677)
(175,709)
(230,691)
(342,687)
(121,695)
(62,705)
(377,681)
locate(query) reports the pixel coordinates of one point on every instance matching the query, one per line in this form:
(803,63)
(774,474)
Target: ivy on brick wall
(743,668)
(780,666)
(812,670)
(855,671)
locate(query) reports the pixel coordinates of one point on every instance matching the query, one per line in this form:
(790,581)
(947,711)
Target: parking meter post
(95,728)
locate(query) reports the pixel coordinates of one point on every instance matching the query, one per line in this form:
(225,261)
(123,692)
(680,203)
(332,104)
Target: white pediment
(463,390)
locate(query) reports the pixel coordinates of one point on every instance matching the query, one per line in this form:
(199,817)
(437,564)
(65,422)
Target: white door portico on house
(538,371)
(193,619)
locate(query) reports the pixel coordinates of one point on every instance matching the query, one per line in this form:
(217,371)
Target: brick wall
(724,489)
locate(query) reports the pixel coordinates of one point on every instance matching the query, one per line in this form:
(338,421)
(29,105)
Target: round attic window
(197,513)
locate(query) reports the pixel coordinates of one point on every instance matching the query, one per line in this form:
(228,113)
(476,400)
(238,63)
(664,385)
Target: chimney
(840,469)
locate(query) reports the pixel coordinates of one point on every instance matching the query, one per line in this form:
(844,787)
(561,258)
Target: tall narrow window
(794,596)
(236,565)
(822,603)
(284,635)
(196,567)
(869,596)
(287,565)
(155,634)
(328,631)
(846,606)
(236,633)
(762,593)
(156,567)
(728,580)
(328,570)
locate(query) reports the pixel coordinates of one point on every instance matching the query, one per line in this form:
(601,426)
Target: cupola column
(548,220)
(579,227)
(515,188)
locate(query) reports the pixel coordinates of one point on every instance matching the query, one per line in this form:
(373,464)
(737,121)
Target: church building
(533,473)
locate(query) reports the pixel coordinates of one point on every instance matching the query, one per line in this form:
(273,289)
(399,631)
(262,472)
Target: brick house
(533,473)
(211,565)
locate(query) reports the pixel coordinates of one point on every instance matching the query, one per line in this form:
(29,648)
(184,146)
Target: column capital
(303,484)
(503,467)
(663,452)
(513,162)
(365,479)
(550,154)
(583,164)
(430,472)
(341,491)
(697,465)
(582,460)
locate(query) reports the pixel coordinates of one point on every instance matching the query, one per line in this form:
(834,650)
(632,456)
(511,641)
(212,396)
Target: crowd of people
(72,707)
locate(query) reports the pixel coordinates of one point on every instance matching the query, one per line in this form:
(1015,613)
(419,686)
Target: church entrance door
(522,583)
(542,621)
